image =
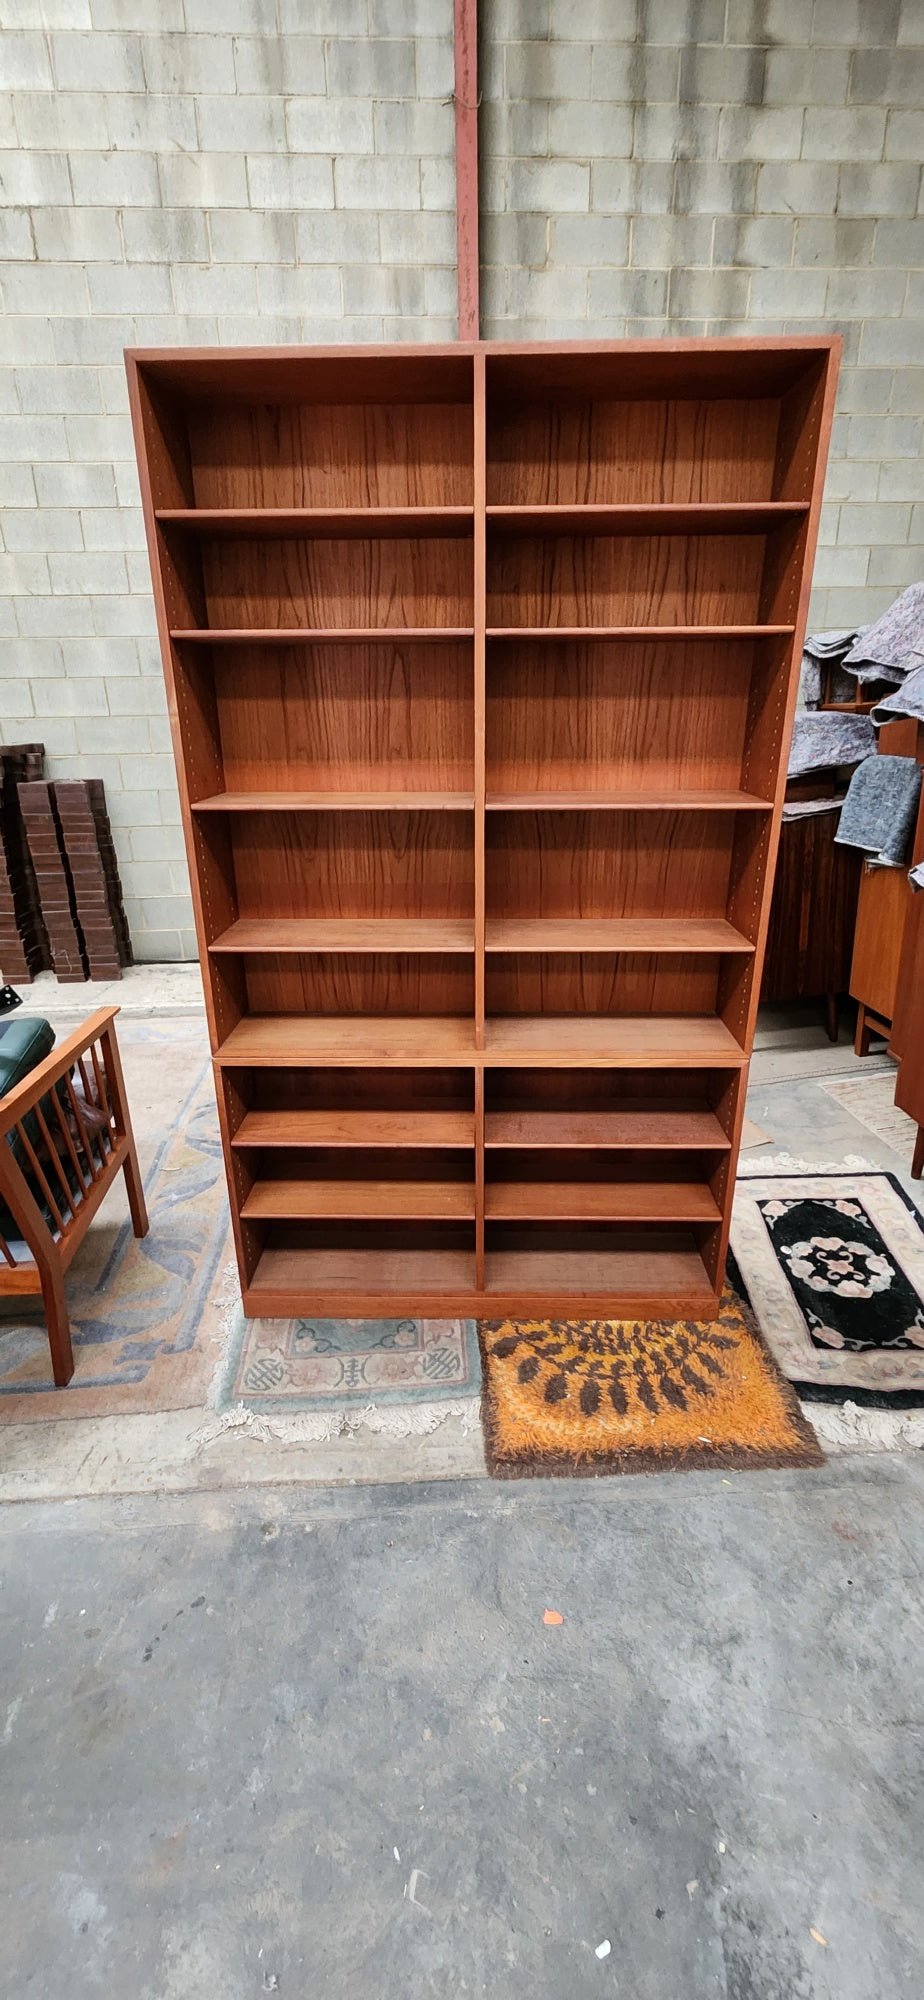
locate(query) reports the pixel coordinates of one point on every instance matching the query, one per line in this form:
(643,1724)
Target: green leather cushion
(25,1041)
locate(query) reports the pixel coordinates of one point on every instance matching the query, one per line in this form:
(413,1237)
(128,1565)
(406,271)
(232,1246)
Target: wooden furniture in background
(882,912)
(812,915)
(481,664)
(65,1133)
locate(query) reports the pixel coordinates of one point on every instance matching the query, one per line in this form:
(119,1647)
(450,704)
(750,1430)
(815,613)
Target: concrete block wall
(251,171)
(181,172)
(729,167)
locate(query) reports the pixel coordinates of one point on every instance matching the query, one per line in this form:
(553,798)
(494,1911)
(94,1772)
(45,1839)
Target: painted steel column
(465,40)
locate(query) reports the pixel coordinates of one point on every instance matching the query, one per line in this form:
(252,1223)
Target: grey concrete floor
(320,1742)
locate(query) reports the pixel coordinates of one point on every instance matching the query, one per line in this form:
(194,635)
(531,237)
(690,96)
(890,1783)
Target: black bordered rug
(832,1264)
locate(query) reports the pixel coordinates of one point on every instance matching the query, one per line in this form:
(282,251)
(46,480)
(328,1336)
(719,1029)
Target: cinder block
(129,288)
(77,234)
(306,288)
(512,128)
(25,575)
(708,294)
(856,133)
(900,243)
(125,13)
(74,120)
(435,69)
(32,179)
(556,70)
(413,128)
(23,339)
(709,187)
(381,288)
(204,180)
(215,287)
(331,124)
(724,76)
(895,566)
(547,187)
(755,241)
(365,66)
(185,64)
(378,182)
(153,124)
(630,294)
(902,479)
(88,574)
(907,397)
(879,190)
(97,61)
(593,21)
(17,487)
(49,390)
(865,392)
(579,242)
(803,187)
(408,237)
(74,485)
(16,240)
(441,293)
(884,437)
(26,63)
(115,180)
(768,21)
(32,438)
(861,526)
(547,294)
(638,73)
(246,17)
(746,134)
(249,236)
(71,697)
(248,124)
(890,76)
(298,182)
(806,76)
(438,184)
(351,238)
(789,294)
(92,340)
(840,566)
(854,22)
(165,236)
(668,132)
(114,528)
(866,294)
(834,244)
(904,135)
(45,288)
(890,343)
(513,240)
(588,131)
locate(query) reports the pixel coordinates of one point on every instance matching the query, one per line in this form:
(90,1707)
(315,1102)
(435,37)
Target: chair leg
(832,1015)
(135,1191)
(58,1323)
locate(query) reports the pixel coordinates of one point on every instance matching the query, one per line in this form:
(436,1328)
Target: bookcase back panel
(345,455)
(354,864)
(625,580)
(565,451)
(649,1093)
(571,983)
(384,983)
(603,864)
(611,717)
(379,583)
(365,1091)
(346,718)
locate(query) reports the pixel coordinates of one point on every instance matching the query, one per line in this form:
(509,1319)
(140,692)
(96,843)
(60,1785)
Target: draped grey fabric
(880,809)
(820,742)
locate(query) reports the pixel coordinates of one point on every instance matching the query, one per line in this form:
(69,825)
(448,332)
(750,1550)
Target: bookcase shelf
(481,664)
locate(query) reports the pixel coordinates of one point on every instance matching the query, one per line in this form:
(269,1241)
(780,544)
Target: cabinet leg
(917,1157)
(832,1016)
(57,1321)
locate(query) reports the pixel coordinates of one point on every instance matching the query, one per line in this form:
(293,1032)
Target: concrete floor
(320,1743)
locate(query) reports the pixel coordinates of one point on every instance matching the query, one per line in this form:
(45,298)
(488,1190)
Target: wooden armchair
(64,1130)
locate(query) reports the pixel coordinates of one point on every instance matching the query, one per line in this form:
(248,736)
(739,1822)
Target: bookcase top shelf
(481,664)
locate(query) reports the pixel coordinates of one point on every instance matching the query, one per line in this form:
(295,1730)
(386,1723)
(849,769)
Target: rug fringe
(845,1427)
(786,1163)
(402,1420)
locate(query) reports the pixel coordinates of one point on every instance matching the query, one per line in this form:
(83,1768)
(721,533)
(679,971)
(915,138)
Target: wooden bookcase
(481,664)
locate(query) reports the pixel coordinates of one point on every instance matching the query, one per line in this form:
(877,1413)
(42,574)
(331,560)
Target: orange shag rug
(600,1396)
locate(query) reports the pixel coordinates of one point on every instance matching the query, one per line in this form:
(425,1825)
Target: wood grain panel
(525,983)
(365,1093)
(332,984)
(586,452)
(353,864)
(608,580)
(617,717)
(353,583)
(600,864)
(355,1129)
(334,455)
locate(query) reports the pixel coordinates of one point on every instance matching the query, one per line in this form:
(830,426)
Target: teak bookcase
(481,664)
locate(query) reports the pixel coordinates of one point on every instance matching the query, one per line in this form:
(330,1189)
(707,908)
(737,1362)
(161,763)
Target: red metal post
(465,37)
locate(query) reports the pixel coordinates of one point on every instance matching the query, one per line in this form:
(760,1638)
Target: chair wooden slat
(37,1169)
(91,1159)
(55,1156)
(85,1179)
(6,1252)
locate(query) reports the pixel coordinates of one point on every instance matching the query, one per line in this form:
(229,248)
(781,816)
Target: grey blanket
(820,742)
(907,700)
(881,808)
(896,640)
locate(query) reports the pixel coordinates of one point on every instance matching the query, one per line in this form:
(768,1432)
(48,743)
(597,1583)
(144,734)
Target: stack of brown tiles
(53,885)
(23,942)
(86,837)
